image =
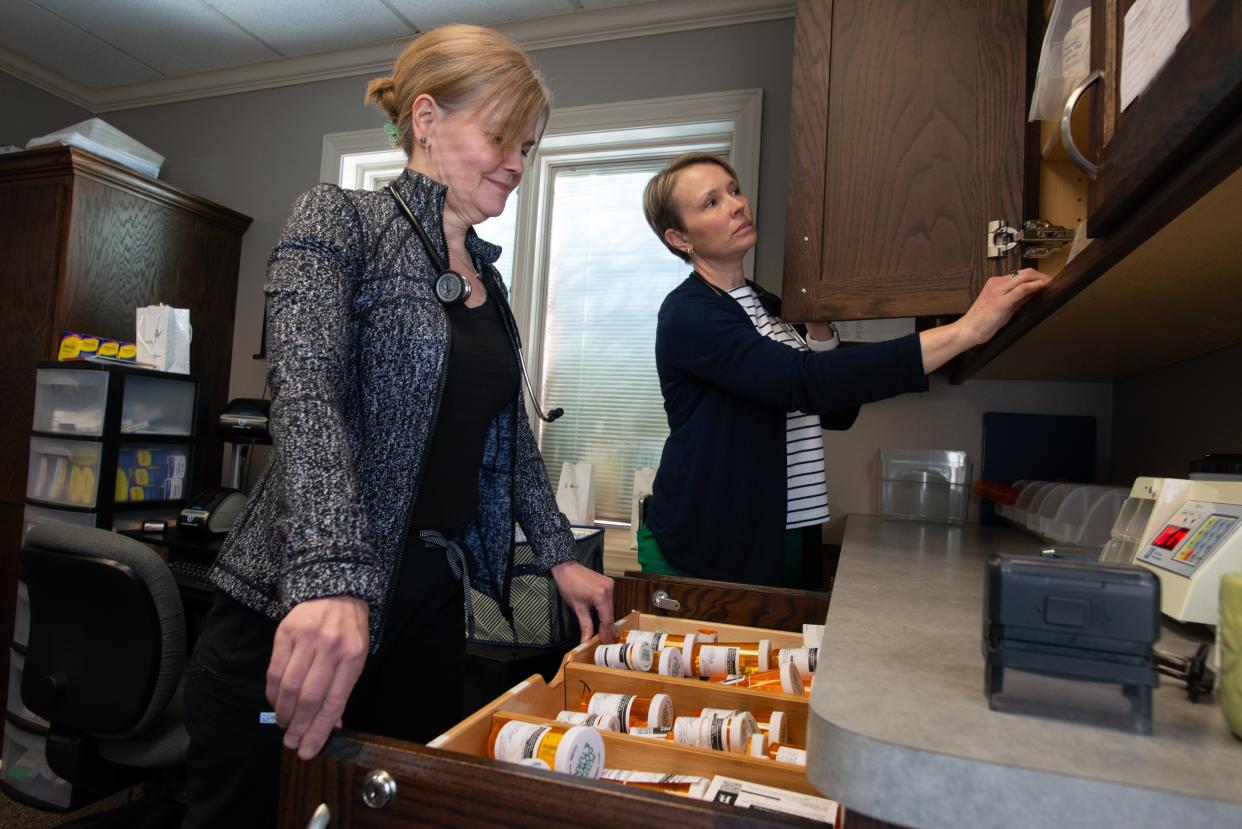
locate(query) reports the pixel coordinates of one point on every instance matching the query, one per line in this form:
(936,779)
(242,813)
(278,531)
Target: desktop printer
(213,511)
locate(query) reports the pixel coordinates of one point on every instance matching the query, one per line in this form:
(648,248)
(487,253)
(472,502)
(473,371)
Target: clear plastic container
(157,406)
(1064,60)
(924,485)
(63,471)
(1084,517)
(16,707)
(26,769)
(1035,510)
(70,401)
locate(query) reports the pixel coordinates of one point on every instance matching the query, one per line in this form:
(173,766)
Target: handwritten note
(1152,31)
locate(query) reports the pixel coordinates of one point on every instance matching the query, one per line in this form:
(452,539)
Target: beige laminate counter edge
(900,728)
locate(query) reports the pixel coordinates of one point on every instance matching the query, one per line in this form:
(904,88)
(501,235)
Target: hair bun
(382,92)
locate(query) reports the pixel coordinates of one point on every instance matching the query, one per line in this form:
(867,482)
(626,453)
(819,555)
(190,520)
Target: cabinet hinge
(1039,238)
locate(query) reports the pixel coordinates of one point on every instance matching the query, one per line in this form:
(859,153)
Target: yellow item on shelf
(60,475)
(122,486)
(75,484)
(88,484)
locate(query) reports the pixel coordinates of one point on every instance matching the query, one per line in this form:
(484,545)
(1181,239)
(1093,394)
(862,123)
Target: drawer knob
(319,820)
(664,601)
(378,789)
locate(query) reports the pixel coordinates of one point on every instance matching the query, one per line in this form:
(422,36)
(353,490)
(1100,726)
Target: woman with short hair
(741,490)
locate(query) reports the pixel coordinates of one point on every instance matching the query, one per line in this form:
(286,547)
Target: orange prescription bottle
(633,711)
(685,785)
(784,680)
(638,655)
(604,722)
(776,726)
(729,734)
(761,746)
(804,658)
(577,750)
(684,732)
(662,639)
(708,660)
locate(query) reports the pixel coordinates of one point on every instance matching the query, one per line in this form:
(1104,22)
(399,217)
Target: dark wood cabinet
(906,139)
(1157,283)
(909,134)
(1189,113)
(85,242)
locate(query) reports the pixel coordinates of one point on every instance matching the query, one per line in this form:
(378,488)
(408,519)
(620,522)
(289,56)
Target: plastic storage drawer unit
(63,472)
(924,485)
(70,402)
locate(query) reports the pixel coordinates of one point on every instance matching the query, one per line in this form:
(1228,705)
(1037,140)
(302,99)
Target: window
(586,274)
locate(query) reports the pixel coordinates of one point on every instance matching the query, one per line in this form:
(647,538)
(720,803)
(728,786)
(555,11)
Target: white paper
(874,331)
(1152,31)
(812,635)
(747,795)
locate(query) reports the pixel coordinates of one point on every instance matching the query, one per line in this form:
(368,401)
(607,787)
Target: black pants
(409,689)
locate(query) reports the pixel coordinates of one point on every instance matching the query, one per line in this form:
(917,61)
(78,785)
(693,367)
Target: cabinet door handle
(664,601)
(321,817)
(1067,137)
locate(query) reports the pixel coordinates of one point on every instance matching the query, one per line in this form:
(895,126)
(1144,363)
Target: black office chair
(104,665)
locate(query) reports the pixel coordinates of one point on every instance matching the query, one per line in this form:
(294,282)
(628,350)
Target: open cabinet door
(906,138)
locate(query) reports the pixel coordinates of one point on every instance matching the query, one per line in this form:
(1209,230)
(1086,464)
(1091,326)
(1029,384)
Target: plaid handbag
(540,618)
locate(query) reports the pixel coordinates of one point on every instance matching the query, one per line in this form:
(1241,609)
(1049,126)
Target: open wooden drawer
(538,701)
(451,782)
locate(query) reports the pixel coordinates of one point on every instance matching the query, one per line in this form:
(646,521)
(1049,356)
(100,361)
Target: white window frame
(727,123)
(724,122)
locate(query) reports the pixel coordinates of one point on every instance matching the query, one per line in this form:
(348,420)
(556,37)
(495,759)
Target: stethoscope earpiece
(452,288)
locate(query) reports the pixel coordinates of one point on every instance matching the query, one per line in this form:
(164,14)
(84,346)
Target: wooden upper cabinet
(1189,116)
(907,137)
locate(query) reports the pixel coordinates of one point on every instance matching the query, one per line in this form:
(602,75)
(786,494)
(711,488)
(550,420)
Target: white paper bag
(163,335)
(575,493)
(644,477)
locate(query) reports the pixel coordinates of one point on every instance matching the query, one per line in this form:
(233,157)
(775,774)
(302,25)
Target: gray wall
(1166,418)
(256,152)
(30,112)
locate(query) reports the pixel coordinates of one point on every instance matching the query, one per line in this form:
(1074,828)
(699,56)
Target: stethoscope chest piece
(452,288)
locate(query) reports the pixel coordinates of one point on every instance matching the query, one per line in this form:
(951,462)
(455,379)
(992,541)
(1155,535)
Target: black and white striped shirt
(806,481)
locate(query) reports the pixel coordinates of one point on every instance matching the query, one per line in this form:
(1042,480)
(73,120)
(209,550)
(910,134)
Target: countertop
(900,728)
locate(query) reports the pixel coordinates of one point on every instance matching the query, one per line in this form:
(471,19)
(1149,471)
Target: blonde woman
(402,454)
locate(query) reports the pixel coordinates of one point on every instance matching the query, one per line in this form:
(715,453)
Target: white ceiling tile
(427,14)
(176,37)
(302,27)
(45,39)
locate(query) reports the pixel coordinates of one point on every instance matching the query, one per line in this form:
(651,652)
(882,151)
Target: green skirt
(652,560)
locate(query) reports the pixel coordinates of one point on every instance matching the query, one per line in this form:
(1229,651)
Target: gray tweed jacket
(357,350)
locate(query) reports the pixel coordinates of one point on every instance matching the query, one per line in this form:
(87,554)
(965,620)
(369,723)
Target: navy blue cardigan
(717,507)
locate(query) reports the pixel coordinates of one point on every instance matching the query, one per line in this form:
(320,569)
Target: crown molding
(589,26)
(47,80)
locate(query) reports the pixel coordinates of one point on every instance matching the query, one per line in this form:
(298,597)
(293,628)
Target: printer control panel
(1193,534)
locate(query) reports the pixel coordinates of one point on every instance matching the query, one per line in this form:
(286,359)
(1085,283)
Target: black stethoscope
(452,288)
